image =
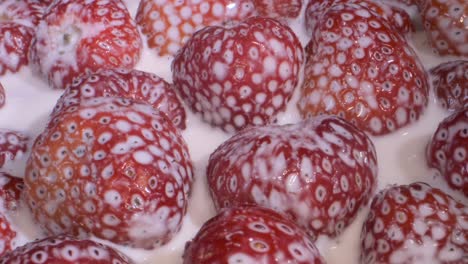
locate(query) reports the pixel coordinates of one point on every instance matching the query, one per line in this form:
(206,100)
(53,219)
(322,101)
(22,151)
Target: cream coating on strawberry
(113,168)
(319,172)
(13,144)
(77,37)
(279,8)
(11,189)
(26,12)
(360,69)
(168,24)
(251,235)
(446,26)
(415,224)
(7,236)
(447,150)
(450,84)
(131,84)
(65,250)
(241,75)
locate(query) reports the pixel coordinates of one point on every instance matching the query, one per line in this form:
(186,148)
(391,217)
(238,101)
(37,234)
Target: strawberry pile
(112,162)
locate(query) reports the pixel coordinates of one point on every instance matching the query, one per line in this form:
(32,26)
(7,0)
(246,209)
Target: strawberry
(319,172)
(395,16)
(7,236)
(450,84)
(65,250)
(279,8)
(360,69)
(168,24)
(80,37)
(11,189)
(2,96)
(445,25)
(447,151)
(113,168)
(415,224)
(13,145)
(251,235)
(132,84)
(240,75)
(17,24)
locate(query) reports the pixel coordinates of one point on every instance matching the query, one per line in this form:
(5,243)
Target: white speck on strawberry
(320,172)
(450,84)
(241,75)
(100,178)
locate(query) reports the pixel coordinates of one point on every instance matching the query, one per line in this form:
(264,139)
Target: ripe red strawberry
(450,83)
(319,172)
(168,24)
(395,16)
(18,21)
(251,235)
(240,75)
(65,250)
(445,25)
(7,236)
(2,96)
(132,84)
(279,8)
(360,69)
(13,145)
(448,150)
(11,189)
(415,224)
(113,168)
(79,37)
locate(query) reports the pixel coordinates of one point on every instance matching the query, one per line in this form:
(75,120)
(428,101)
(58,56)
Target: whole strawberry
(251,235)
(113,168)
(319,172)
(445,25)
(65,250)
(169,24)
(450,84)
(279,8)
(415,224)
(80,37)
(241,75)
(132,84)
(359,68)
(448,148)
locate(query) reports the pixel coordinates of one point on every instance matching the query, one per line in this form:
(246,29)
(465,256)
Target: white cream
(400,155)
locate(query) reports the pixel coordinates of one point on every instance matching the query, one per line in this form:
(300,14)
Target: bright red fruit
(65,250)
(446,26)
(251,235)
(80,37)
(360,69)
(168,24)
(240,75)
(415,224)
(113,168)
(11,189)
(13,145)
(448,150)
(279,8)
(131,84)
(7,236)
(450,83)
(319,172)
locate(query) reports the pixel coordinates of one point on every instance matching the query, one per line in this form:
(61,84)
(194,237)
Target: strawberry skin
(80,37)
(169,24)
(448,148)
(64,249)
(7,236)
(415,224)
(113,168)
(251,235)
(450,84)
(445,25)
(360,69)
(279,8)
(11,189)
(13,144)
(131,84)
(241,75)
(319,172)
(2,96)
